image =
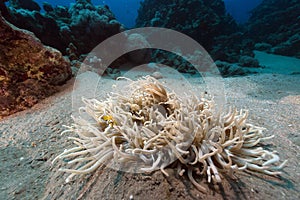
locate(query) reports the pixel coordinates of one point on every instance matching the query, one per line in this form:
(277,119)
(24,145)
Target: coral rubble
(151,128)
(29,71)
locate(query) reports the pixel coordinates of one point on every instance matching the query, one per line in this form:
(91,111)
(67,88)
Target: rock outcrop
(29,71)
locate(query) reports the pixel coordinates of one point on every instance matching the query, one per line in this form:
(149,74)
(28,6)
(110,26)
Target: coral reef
(138,41)
(29,71)
(91,24)
(229,69)
(277,23)
(82,24)
(231,48)
(205,21)
(150,128)
(201,20)
(25,4)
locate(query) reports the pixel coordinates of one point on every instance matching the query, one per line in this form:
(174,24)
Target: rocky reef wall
(82,24)
(201,20)
(275,27)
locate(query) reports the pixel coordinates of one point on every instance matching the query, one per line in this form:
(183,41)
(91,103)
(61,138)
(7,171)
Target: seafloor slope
(30,140)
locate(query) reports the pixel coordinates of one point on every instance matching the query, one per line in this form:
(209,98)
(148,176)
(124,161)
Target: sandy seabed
(31,139)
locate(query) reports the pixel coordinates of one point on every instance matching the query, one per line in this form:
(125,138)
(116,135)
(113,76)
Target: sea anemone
(150,128)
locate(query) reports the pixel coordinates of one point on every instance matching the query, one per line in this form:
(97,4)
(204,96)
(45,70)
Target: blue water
(240,9)
(126,10)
